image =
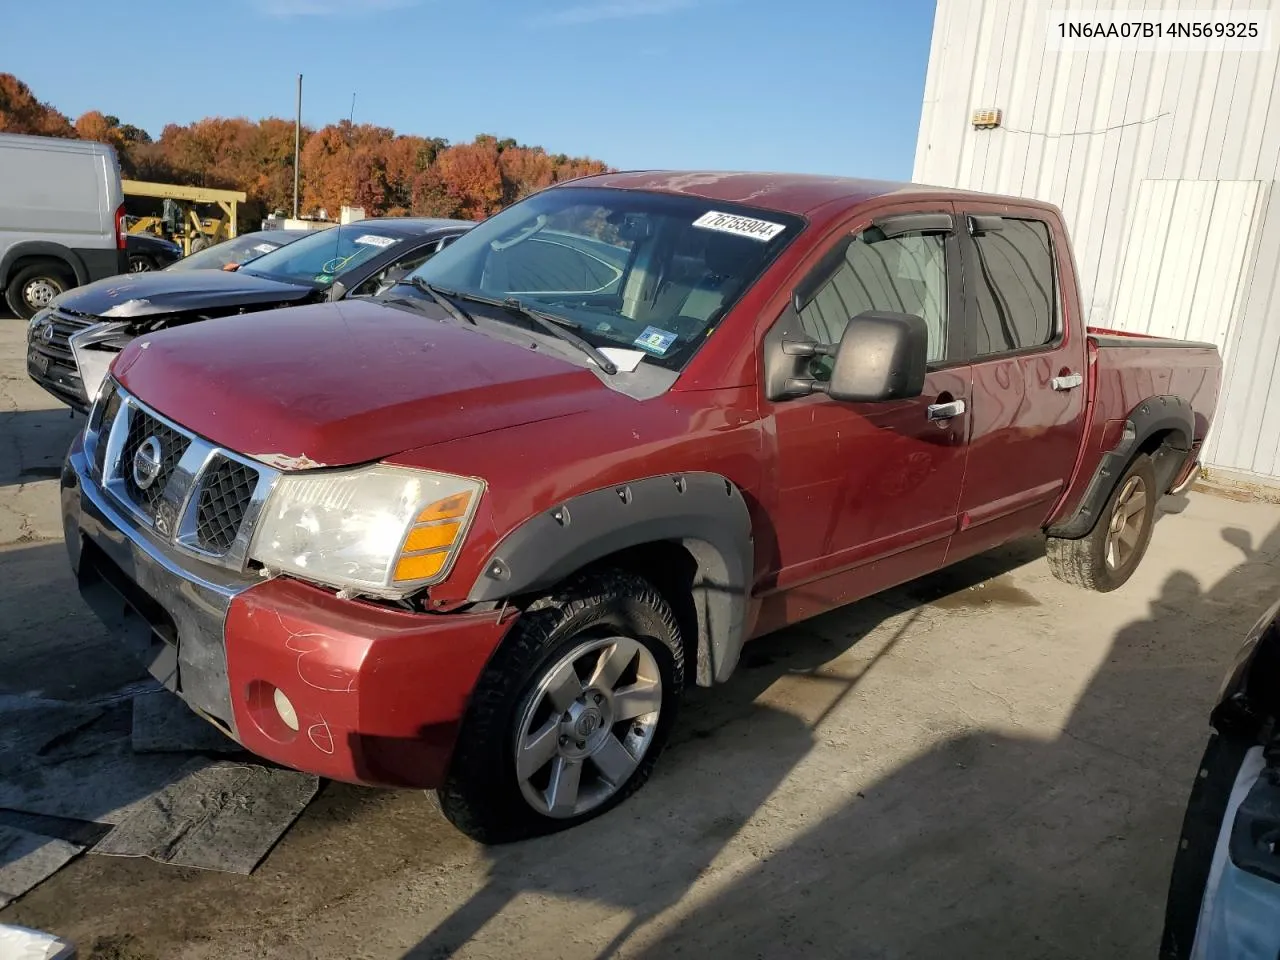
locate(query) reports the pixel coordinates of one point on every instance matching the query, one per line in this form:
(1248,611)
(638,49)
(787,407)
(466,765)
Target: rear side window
(1015,305)
(905,274)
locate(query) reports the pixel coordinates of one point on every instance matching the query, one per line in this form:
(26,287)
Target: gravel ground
(986,763)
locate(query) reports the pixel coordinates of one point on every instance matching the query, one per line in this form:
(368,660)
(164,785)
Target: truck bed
(1130,367)
(1126,371)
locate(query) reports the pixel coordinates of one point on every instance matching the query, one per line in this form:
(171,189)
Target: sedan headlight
(381,530)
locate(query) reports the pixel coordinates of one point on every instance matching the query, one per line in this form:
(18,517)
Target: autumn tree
(342,163)
(95,126)
(21,112)
(525,170)
(472,177)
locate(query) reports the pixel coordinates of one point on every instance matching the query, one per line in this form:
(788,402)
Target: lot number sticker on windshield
(761,230)
(373,240)
(655,340)
(264,247)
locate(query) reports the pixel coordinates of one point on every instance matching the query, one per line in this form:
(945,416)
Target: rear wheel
(1106,557)
(140,264)
(569,718)
(33,287)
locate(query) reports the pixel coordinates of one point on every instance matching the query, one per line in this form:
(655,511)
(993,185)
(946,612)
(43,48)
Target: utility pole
(297,147)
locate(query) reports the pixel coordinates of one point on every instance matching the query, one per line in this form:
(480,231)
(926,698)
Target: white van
(61,218)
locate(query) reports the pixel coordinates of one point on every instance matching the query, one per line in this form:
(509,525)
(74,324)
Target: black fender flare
(45,250)
(1154,415)
(703,512)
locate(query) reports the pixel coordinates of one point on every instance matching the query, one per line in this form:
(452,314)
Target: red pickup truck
(479,533)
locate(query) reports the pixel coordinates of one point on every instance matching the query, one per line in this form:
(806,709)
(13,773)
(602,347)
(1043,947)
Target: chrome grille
(203,499)
(225,492)
(62,326)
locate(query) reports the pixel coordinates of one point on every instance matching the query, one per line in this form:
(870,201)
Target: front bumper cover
(378,694)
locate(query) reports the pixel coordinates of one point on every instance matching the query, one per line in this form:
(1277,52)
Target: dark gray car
(82,329)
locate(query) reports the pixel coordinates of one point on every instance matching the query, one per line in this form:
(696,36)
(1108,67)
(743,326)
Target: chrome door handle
(1068,382)
(945,411)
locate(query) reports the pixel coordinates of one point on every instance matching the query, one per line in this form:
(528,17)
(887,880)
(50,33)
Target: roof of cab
(798,193)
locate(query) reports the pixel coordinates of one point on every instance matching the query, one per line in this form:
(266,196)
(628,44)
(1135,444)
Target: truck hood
(135,295)
(345,383)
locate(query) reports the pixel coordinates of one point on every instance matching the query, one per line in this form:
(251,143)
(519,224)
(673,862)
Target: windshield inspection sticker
(655,340)
(374,240)
(761,230)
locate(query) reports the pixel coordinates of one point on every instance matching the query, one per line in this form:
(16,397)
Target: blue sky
(821,86)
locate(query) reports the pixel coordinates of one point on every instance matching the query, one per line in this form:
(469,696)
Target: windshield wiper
(556,326)
(441,297)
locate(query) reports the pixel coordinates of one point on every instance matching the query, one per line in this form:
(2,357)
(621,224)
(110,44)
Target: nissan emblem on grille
(146,463)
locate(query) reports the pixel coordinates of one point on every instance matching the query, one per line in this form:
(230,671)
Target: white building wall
(1084,130)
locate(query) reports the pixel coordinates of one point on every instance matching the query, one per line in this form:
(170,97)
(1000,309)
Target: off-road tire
(1083,562)
(481,795)
(56,274)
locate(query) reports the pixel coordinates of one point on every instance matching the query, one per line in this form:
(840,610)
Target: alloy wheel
(1127,520)
(586,726)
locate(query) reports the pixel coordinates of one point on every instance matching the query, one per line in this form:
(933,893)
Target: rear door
(867,492)
(1028,399)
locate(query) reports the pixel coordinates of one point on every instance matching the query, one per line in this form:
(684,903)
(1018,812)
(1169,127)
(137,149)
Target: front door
(867,493)
(1027,415)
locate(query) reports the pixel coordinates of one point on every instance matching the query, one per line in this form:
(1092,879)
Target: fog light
(285,709)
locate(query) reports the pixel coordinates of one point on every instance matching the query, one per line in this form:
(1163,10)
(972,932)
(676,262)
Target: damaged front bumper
(341,688)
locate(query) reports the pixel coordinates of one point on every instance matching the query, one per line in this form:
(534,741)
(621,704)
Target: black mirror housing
(881,356)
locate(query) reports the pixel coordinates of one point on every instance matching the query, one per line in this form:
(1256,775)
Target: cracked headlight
(380,530)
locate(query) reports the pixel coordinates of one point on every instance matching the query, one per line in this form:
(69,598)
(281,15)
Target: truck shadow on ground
(989,844)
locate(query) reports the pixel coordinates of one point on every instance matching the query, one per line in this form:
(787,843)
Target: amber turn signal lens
(447,509)
(432,537)
(422,566)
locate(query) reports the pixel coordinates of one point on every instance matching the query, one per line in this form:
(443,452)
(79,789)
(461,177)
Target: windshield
(319,258)
(237,250)
(642,271)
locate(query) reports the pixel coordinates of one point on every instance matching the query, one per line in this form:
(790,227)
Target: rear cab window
(1011,273)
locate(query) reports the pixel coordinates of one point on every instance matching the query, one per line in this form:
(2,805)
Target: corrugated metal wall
(1099,133)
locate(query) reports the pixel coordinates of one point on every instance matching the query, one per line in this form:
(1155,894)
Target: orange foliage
(21,112)
(342,164)
(472,178)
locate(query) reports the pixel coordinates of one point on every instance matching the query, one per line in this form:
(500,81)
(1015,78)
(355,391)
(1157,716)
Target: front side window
(319,258)
(903,274)
(622,268)
(1015,302)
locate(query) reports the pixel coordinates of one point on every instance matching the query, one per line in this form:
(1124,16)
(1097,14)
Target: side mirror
(880,356)
(338,290)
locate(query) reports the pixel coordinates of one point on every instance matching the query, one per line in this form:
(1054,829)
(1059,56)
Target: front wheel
(1106,557)
(568,719)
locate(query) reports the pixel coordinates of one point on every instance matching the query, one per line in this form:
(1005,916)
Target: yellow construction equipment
(190,229)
